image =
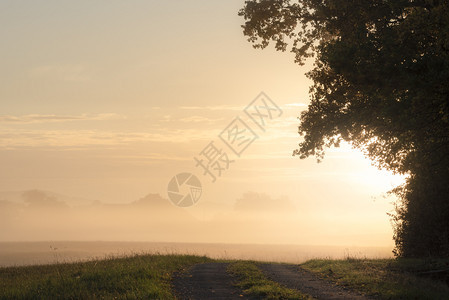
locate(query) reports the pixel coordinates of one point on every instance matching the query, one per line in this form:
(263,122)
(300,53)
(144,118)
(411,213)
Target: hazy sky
(107,100)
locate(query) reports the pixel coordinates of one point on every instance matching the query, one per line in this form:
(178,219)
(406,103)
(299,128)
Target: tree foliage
(381,83)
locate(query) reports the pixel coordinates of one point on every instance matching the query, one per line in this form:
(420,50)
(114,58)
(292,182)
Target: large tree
(381,83)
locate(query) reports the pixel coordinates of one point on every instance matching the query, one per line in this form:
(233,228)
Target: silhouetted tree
(381,83)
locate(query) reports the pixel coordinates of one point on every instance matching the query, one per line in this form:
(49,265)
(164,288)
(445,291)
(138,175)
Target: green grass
(149,277)
(133,277)
(254,283)
(385,278)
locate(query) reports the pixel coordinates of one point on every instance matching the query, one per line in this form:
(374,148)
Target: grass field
(388,278)
(133,277)
(149,277)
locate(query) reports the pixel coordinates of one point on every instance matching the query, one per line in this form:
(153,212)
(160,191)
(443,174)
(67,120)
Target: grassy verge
(133,277)
(149,277)
(254,283)
(386,278)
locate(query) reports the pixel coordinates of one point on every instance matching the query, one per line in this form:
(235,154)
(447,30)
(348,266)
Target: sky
(108,100)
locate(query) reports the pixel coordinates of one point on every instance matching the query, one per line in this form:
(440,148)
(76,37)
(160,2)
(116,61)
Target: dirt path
(294,277)
(211,281)
(206,281)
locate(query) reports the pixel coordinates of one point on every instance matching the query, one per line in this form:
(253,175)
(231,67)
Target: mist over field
(254,217)
(44,227)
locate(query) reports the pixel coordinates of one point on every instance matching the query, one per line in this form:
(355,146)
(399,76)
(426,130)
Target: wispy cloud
(238,108)
(200,119)
(14,139)
(41,118)
(218,107)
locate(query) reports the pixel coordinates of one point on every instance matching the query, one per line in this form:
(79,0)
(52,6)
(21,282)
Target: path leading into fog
(211,281)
